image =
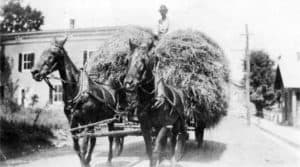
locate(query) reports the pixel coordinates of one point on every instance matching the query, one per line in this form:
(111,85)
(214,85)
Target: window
(57,93)
(26,61)
(86,54)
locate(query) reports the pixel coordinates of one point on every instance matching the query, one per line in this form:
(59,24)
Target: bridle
(46,79)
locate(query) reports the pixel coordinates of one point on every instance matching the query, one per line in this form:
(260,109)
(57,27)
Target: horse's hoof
(85,164)
(118,149)
(108,161)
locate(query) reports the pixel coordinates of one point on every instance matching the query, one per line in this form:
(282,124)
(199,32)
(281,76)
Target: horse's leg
(146,131)
(173,145)
(173,140)
(181,139)
(119,143)
(91,149)
(84,145)
(76,146)
(163,148)
(199,134)
(111,140)
(160,140)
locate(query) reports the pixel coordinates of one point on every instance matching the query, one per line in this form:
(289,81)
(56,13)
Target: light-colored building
(288,81)
(24,49)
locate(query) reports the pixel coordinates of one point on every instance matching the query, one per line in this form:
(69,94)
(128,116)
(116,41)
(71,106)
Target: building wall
(75,47)
(291,112)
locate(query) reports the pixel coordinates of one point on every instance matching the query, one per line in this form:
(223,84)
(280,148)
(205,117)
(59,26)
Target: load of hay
(188,59)
(192,61)
(108,62)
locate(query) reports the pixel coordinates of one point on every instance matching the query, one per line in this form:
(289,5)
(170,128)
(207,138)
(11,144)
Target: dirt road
(230,144)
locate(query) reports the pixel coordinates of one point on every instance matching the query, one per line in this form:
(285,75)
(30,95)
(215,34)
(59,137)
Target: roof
(44,35)
(288,72)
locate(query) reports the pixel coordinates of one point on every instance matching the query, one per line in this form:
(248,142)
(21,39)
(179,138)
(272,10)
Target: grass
(21,133)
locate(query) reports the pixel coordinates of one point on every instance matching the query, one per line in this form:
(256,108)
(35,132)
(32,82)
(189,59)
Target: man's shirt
(163,26)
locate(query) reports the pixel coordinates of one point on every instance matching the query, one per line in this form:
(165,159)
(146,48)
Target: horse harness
(87,88)
(173,101)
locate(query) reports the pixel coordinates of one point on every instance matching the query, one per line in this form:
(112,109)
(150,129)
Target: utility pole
(247,75)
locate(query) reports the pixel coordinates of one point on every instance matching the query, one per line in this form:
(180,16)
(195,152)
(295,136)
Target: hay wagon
(188,59)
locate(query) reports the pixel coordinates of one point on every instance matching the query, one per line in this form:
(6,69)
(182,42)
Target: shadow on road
(136,149)
(210,151)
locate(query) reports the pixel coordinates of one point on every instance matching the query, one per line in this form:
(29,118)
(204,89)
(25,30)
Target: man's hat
(163,8)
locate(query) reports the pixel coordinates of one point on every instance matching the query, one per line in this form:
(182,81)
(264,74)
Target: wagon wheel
(118,145)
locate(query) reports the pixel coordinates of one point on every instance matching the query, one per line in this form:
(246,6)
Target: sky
(274,25)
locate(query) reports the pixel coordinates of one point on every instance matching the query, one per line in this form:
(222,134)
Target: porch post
(294,107)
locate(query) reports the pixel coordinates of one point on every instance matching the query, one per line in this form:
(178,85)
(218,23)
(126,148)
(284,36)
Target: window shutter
(50,95)
(1,92)
(20,62)
(32,60)
(85,54)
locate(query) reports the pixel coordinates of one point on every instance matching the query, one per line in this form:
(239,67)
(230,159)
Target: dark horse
(85,101)
(152,110)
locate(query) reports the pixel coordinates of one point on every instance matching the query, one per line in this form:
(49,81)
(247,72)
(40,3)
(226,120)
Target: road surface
(231,144)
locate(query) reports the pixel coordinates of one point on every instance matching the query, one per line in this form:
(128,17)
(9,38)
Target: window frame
(57,94)
(27,60)
(89,52)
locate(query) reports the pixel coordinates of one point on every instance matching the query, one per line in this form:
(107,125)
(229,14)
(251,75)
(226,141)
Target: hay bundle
(108,62)
(191,60)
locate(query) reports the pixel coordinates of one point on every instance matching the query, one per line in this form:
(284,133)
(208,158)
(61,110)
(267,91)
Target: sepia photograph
(149,83)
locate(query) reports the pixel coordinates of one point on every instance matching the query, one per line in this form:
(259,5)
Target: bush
(19,137)
(261,81)
(28,130)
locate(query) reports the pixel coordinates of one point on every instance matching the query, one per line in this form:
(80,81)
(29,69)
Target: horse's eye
(51,59)
(126,62)
(140,66)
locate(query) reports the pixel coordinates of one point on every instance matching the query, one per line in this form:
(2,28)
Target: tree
(261,81)
(17,18)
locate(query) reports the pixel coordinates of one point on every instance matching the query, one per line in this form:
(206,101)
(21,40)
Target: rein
(140,85)
(60,79)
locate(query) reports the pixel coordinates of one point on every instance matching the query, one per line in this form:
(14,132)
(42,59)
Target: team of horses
(158,106)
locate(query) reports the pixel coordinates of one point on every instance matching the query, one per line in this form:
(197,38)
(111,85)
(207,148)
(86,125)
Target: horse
(152,113)
(85,100)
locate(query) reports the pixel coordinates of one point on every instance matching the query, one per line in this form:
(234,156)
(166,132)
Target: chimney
(72,23)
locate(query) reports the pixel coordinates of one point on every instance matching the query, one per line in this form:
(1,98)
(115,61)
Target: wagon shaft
(94,124)
(127,125)
(112,133)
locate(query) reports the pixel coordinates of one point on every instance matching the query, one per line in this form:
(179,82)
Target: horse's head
(140,65)
(50,60)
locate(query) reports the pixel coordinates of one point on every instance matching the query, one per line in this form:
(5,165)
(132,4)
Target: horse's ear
(155,62)
(132,46)
(151,45)
(64,40)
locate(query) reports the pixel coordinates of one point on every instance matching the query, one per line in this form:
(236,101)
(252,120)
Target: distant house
(287,80)
(24,49)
